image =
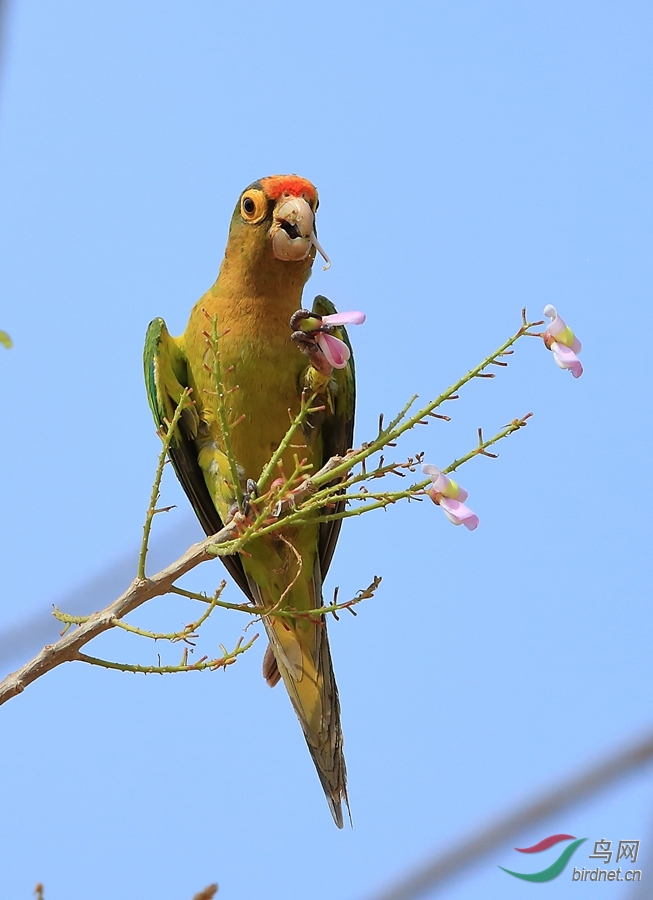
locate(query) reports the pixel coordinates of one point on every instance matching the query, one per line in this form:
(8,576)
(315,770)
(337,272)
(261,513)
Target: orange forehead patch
(276,185)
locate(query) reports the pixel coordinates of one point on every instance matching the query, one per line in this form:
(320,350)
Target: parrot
(268,363)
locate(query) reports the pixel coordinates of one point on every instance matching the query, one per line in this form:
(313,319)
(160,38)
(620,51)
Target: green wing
(337,431)
(166,376)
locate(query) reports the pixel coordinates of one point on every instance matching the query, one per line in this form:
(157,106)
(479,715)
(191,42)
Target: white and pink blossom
(449,496)
(563,343)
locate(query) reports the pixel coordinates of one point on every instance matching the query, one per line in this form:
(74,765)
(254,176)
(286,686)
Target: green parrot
(267,363)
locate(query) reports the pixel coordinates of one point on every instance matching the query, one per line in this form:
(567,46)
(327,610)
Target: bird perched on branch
(267,365)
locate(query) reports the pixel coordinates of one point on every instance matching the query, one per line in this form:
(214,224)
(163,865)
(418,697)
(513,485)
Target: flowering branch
(381,499)
(300,497)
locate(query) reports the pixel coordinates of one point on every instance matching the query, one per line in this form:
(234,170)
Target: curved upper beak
(293,230)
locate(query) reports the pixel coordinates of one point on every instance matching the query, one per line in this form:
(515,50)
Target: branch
(139,592)
(289,612)
(208,893)
(188,632)
(298,498)
(398,426)
(307,497)
(220,662)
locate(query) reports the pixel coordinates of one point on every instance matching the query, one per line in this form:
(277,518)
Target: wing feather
(165,379)
(337,432)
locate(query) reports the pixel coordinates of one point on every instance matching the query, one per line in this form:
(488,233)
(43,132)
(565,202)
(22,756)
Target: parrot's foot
(305,328)
(305,321)
(249,495)
(316,358)
(246,512)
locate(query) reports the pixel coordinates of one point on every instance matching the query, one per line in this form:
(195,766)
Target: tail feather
(307,672)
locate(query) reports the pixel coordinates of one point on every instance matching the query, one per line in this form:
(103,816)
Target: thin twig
(166,437)
(221,662)
(395,429)
(305,410)
(225,429)
(173,637)
(306,499)
(289,612)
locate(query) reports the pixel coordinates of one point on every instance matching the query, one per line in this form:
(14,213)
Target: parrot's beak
(293,230)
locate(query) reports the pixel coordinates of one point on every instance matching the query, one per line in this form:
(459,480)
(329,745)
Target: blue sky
(471,158)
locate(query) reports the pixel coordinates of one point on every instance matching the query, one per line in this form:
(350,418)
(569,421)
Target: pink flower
(449,496)
(347,318)
(335,350)
(561,340)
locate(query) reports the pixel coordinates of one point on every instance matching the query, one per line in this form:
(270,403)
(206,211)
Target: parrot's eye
(253,206)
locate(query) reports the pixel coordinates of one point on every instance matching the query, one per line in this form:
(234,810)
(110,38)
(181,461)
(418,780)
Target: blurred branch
(428,877)
(208,893)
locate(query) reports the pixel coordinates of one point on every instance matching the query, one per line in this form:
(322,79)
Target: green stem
(395,430)
(325,486)
(383,499)
(225,428)
(304,411)
(173,636)
(221,662)
(223,604)
(167,439)
(288,612)
(68,619)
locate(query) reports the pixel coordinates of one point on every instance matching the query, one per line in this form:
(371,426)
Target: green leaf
(5,340)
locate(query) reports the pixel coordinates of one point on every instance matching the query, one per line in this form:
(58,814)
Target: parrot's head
(273,224)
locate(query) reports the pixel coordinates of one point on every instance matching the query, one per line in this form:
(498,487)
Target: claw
(308,345)
(249,495)
(251,488)
(304,320)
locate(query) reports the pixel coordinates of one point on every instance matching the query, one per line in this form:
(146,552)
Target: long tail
(302,655)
